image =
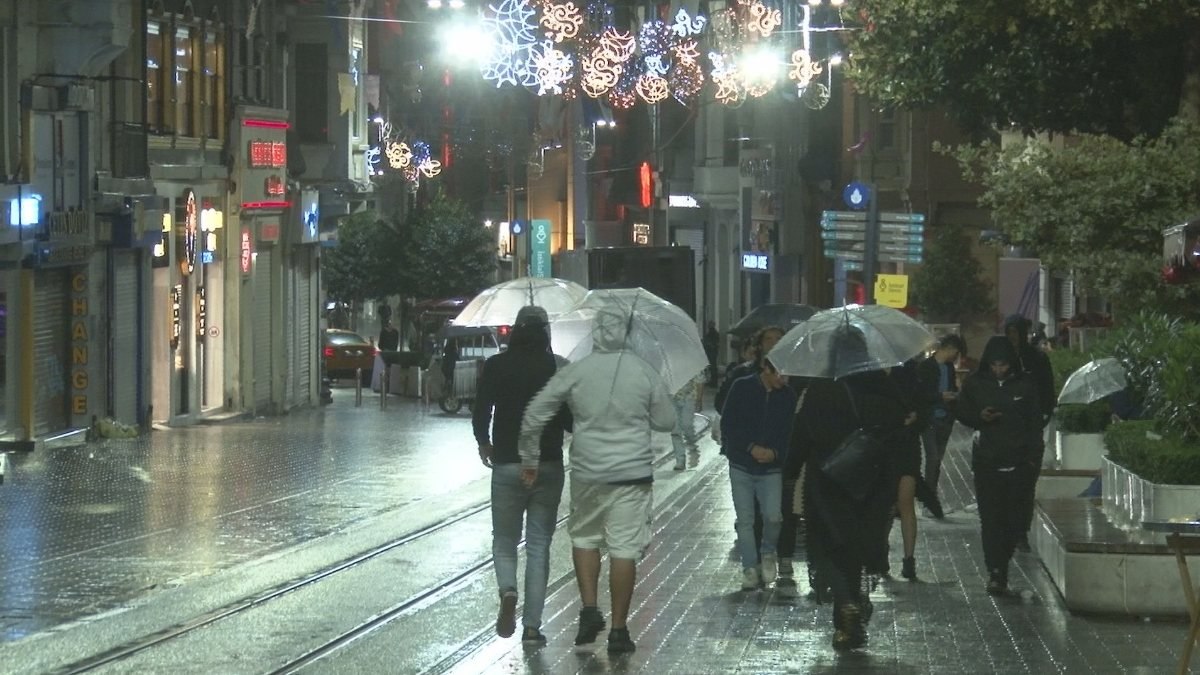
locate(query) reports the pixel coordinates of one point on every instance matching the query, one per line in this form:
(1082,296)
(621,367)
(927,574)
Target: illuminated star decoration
(514,33)
(730,88)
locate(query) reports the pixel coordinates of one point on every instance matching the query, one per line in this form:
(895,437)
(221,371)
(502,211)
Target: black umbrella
(783,315)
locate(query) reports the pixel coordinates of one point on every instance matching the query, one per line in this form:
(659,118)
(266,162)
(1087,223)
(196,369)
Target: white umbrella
(1095,380)
(654,329)
(498,305)
(843,341)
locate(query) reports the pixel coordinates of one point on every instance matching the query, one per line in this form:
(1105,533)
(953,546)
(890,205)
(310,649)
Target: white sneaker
(750,579)
(770,568)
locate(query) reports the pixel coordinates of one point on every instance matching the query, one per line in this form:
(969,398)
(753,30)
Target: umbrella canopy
(844,341)
(783,315)
(498,305)
(1095,380)
(638,321)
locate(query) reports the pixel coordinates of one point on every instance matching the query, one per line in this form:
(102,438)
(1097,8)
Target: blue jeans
(683,437)
(514,505)
(767,490)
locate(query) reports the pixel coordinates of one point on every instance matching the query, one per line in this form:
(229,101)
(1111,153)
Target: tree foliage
(363,266)
(1113,67)
(950,286)
(1097,206)
(449,251)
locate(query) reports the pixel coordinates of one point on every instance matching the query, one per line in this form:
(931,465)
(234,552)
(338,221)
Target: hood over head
(998,348)
(529,336)
(1021,324)
(610,328)
(532,314)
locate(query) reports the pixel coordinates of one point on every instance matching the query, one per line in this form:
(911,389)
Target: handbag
(857,460)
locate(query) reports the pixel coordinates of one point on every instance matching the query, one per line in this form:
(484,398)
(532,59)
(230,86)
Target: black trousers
(786,548)
(1001,496)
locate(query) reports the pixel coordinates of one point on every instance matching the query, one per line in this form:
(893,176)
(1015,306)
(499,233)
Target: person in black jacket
(1001,402)
(905,446)
(939,386)
(1035,364)
(508,381)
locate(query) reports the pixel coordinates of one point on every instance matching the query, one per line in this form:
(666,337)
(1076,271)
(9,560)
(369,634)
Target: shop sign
(79,344)
(247,258)
(310,216)
(190,226)
(274,186)
(267,155)
(268,232)
(201,313)
(176,314)
(641,234)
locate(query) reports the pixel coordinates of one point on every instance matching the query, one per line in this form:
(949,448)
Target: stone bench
(1099,567)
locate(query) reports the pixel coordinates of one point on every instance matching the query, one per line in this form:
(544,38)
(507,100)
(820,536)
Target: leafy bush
(1173,397)
(1139,343)
(1160,459)
(1076,418)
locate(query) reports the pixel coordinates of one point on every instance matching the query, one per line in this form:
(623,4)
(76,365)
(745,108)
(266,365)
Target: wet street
(346,539)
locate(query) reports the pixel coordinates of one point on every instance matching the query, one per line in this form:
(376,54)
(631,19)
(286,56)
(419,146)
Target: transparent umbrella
(783,315)
(643,323)
(498,305)
(1095,380)
(835,343)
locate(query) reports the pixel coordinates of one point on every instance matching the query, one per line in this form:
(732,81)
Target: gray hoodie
(616,398)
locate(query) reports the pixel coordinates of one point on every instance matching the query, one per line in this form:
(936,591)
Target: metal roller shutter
(305,306)
(51,333)
(125,357)
(262,330)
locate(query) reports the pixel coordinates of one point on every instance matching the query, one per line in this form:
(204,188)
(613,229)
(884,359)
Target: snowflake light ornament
(686,26)
(513,31)
(803,69)
(552,67)
(763,20)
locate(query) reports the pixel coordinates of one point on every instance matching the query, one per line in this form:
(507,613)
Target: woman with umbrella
(847,532)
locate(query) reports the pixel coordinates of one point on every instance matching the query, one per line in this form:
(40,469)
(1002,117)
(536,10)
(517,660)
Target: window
(155,70)
(184,82)
(212,90)
(312,76)
(886,125)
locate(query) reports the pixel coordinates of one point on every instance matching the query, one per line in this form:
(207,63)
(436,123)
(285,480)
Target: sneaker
(533,637)
(506,622)
(908,569)
(770,568)
(750,579)
(786,588)
(786,569)
(619,641)
(591,622)
(680,464)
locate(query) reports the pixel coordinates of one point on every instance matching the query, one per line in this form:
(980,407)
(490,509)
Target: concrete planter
(1129,499)
(1079,451)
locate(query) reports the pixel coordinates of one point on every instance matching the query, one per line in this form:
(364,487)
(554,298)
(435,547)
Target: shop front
(303,307)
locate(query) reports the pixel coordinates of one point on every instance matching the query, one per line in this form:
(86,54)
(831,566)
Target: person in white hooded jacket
(616,399)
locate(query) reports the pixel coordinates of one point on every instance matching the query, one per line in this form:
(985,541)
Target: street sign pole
(871,252)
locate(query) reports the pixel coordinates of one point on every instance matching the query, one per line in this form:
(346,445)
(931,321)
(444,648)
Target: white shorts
(616,517)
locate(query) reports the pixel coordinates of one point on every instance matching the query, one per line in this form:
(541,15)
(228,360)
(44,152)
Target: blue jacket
(754,416)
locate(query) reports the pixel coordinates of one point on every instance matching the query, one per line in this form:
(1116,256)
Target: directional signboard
(900,236)
(539,248)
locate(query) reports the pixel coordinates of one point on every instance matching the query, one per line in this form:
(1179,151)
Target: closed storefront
(51,351)
(126,349)
(262,312)
(303,326)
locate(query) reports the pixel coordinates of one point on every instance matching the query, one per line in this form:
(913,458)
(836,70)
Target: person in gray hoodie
(617,399)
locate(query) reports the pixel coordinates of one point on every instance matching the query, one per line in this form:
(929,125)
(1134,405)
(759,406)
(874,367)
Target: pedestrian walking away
(684,438)
(616,399)
(508,382)
(755,435)
(1001,402)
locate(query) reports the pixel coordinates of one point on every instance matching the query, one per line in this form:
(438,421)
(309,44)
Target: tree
(950,287)
(363,265)
(1101,66)
(1097,206)
(448,252)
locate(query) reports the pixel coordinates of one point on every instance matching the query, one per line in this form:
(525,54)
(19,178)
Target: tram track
(428,595)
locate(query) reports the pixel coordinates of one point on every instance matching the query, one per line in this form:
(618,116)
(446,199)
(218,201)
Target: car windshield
(345,339)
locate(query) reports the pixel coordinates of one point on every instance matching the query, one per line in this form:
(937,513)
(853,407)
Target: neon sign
(267,155)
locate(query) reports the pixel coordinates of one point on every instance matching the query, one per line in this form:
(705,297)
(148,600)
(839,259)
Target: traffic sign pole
(870,264)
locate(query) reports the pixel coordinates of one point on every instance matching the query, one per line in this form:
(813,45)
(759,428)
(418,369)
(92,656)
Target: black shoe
(997,583)
(619,641)
(506,621)
(1023,544)
(908,569)
(928,496)
(848,628)
(591,622)
(533,637)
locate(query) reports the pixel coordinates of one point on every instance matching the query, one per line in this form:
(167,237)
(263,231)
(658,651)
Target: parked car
(345,352)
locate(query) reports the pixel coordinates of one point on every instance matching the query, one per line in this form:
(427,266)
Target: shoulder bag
(858,459)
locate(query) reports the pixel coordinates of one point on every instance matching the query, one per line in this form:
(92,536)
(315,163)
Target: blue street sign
(539,248)
(902,217)
(856,195)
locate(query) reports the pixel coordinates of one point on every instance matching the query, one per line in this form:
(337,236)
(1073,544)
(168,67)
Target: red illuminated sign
(274,186)
(268,155)
(265,124)
(269,232)
(644,174)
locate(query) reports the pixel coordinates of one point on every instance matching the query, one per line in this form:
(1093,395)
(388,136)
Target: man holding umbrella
(617,399)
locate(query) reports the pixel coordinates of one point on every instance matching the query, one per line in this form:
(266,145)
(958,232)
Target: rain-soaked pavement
(110,546)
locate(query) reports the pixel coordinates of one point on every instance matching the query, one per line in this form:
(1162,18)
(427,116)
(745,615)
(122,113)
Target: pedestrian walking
(389,337)
(712,346)
(905,456)
(684,438)
(616,399)
(508,382)
(755,433)
(844,531)
(1036,365)
(1001,402)
(939,384)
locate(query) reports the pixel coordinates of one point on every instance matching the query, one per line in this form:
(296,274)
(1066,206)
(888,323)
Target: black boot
(908,569)
(848,628)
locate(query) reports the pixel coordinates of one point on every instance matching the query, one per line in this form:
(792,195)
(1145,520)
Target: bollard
(358,388)
(383,390)
(3,466)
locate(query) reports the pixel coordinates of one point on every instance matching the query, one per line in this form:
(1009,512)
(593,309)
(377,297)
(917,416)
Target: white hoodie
(616,399)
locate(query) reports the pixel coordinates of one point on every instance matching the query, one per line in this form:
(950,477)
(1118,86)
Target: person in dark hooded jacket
(1001,402)
(1034,363)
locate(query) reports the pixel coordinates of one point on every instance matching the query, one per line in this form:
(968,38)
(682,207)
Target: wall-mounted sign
(539,248)
(310,216)
(247,259)
(79,344)
(274,186)
(268,232)
(176,314)
(267,155)
(201,313)
(756,262)
(683,202)
(641,234)
(189,223)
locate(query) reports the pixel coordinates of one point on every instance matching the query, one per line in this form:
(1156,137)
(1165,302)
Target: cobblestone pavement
(88,531)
